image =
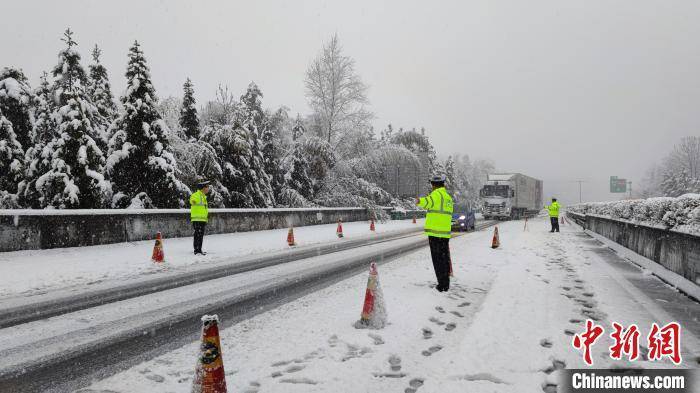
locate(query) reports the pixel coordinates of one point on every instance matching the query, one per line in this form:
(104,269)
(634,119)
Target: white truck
(510,196)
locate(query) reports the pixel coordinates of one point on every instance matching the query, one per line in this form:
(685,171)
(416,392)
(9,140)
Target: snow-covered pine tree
(252,102)
(274,138)
(15,102)
(298,130)
(296,170)
(75,178)
(233,148)
(11,157)
(259,183)
(100,93)
(140,162)
(450,174)
(189,119)
(37,159)
(251,118)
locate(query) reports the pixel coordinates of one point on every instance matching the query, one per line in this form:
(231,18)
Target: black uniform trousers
(555,224)
(199,227)
(440,252)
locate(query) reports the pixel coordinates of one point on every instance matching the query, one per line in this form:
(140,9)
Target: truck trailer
(511,196)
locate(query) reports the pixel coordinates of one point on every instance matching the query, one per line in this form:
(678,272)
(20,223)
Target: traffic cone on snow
(373,310)
(290,237)
(371,225)
(495,243)
(339,231)
(158,255)
(209,374)
(414,218)
(562,220)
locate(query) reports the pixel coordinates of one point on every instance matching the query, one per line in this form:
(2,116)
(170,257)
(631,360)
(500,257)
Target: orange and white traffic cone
(371,225)
(158,254)
(373,309)
(495,243)
(339,231)
(290,237)
(414,218)
(209,374)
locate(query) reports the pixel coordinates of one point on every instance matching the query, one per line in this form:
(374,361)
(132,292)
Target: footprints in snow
(546,343)
(556,365)
(431,350)
(413,385)
(394,363)
(377,339)
(253,387)
(395,366)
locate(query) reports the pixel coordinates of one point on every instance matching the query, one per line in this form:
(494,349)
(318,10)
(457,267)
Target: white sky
(560,90)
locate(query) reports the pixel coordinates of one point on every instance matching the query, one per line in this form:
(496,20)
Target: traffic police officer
(438,226)
(554,214)
(199,215)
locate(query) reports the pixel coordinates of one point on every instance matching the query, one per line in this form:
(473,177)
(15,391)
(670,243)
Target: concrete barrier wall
(676,251)
(41,229)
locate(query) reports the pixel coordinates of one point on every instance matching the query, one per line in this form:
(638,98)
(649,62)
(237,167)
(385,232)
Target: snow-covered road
(81,268)
(514,311)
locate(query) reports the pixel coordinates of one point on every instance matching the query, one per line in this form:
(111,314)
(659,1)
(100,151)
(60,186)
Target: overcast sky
(560,90)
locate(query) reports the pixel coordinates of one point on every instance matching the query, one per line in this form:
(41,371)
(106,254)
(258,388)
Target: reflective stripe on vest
(438,232)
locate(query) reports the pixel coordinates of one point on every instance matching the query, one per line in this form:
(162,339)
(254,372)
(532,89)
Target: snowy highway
(46,351)
(505,326)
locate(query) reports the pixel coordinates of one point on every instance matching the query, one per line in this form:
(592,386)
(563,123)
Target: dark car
(463,221)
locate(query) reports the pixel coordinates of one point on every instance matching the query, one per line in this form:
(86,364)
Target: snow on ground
(505,326)
(79,266)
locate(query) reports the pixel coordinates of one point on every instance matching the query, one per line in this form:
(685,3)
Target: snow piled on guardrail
(680,214)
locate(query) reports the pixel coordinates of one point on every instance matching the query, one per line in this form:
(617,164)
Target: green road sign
(618,185)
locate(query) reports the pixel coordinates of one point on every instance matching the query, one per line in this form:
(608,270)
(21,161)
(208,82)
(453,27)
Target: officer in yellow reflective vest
(199,215)
(438,226)
(553,210)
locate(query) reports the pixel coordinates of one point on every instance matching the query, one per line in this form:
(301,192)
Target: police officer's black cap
(203,184)
(438,179)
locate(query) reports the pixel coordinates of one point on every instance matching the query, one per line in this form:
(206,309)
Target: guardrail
(41,229)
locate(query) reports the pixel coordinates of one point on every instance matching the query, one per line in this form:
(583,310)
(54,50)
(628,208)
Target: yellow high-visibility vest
(553,209)
(199,209)
(438,220)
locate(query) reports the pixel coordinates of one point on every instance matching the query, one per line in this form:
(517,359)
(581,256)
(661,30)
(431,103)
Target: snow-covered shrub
(141,201)
(681,213)
(8,201)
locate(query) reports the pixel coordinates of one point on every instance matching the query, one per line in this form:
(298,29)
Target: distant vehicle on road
(511,196)
(465,221)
